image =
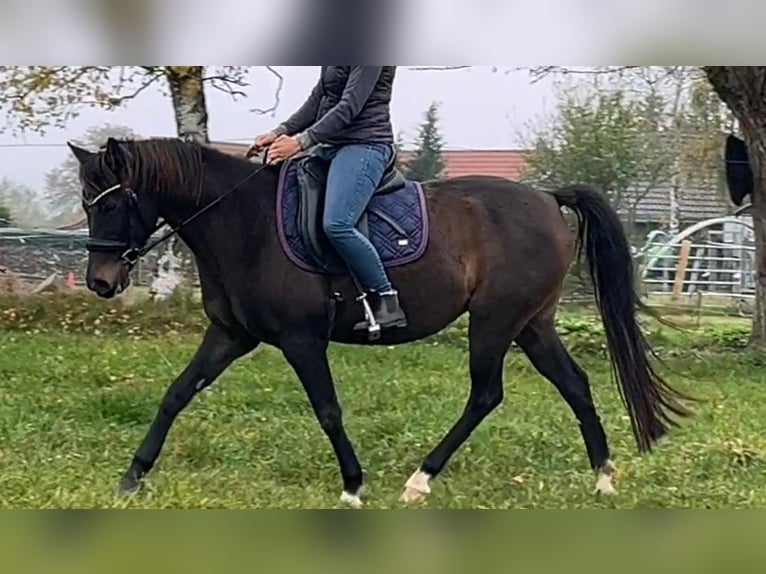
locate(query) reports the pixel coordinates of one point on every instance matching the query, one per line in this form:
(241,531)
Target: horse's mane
(173,167)
(166,165)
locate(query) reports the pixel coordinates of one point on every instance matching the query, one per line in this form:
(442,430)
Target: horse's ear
(81,154)
(114,155)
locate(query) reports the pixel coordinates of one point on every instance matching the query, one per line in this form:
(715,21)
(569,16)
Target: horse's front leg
(216,352)
(308,357)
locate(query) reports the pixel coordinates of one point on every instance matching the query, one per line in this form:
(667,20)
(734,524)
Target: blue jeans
(355,172)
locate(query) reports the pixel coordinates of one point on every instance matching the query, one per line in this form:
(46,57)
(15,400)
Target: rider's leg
(354,174)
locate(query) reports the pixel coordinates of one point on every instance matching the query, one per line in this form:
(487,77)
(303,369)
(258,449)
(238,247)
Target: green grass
(74,405)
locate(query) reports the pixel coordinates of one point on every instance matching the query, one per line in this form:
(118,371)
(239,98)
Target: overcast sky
(479,109)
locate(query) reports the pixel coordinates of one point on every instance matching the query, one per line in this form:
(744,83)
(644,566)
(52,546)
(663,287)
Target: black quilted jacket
(349,104)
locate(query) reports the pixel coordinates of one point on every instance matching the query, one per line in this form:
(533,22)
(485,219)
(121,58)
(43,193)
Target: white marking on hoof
(416,488)
(604,479)
(352,500)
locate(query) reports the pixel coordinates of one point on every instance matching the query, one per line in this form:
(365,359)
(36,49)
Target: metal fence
(714,269)
(33,255)
(715,258)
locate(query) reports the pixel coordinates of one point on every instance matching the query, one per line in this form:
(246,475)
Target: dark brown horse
(498,250)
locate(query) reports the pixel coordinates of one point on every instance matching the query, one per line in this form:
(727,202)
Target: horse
(495,249)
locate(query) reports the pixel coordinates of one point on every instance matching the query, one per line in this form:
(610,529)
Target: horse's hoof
(416,489)
(604,485)
(129,485)
(412,496)
(351,500)
(604,480)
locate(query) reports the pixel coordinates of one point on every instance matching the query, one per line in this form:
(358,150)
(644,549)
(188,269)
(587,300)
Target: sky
(480,109)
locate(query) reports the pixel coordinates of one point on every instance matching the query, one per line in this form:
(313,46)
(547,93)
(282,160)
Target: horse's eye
(108,206)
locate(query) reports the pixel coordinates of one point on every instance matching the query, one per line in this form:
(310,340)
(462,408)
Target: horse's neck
(241,206)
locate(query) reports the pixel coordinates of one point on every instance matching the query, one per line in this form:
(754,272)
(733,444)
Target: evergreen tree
(427,162)
(399,148)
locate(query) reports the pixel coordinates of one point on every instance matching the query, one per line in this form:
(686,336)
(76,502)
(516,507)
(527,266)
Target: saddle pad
(406,207)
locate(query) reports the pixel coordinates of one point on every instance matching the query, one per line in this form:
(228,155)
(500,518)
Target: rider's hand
(261,142)
(282,149)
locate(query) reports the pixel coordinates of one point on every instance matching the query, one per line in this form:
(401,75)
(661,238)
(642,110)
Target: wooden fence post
(683,263)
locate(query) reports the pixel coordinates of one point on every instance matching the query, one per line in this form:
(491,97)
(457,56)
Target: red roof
(507,163)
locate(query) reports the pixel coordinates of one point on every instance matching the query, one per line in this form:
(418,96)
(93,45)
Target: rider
(347,117)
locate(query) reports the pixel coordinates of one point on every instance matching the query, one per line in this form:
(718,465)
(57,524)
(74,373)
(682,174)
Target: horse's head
(121,215)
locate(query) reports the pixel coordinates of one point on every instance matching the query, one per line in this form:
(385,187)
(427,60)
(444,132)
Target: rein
(133,252)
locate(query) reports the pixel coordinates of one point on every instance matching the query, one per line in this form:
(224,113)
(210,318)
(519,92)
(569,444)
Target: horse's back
(495,224)
(500,206)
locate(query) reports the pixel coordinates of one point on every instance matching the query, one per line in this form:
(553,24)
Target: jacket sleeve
(360,84)
(304,116)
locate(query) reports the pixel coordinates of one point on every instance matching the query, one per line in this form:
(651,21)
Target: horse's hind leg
(216,352)
(490,337)
(541,343)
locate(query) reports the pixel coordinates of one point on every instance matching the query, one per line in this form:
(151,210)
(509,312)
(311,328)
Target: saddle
(311,174)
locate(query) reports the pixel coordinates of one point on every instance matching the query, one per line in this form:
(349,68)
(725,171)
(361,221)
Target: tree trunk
(674,219)
(743,89)
(187,91)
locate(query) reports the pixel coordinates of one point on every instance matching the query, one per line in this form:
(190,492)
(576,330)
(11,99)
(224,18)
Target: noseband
(138,231)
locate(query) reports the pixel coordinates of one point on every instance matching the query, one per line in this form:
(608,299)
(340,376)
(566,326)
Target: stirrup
(373,327)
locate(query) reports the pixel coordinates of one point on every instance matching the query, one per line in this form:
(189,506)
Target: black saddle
(311,174)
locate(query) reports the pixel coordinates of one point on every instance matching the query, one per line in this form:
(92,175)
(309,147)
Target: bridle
(134,248)
(136,245)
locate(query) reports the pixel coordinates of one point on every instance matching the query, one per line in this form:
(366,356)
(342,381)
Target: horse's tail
(648,398)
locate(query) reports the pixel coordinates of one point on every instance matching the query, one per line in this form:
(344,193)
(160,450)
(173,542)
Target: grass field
(79,389)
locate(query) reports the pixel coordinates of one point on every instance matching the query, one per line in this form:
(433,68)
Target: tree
(427,162)
(704,120)
(611,140)
(399,149)
(630,133)
(62,184)
(743,89)
(20,204)
(36,98)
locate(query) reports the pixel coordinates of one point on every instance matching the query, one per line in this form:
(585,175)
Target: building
(694,203)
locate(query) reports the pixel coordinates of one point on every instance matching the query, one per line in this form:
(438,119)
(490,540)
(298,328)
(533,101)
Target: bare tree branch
(540,72)
(226,84)
(228,79)
(120,99)
(277,94)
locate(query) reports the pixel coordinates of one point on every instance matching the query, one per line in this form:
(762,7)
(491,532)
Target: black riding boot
(386,310)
